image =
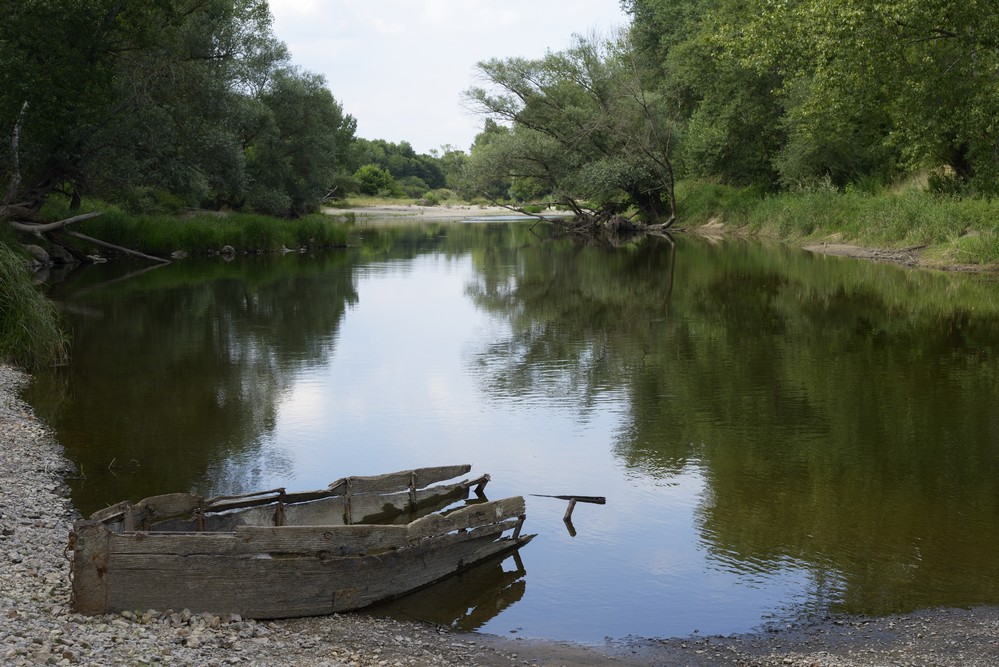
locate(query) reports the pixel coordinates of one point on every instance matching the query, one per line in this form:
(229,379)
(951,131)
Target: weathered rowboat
(274,554)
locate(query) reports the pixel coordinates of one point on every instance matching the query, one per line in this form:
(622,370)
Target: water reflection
(775,432)
(843,412)
(178,372)
(466,602)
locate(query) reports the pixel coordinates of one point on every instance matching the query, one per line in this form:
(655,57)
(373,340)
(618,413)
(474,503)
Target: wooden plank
(175,504)
(370,508)
(91,556)
(116,511)
(170,504)
(176,544)
(264,540)
(330,511)
(399,481)
(340,540)
(294,586)
(467,517)
(389,483)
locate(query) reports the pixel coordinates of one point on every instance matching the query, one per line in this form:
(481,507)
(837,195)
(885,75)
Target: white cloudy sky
(399,66)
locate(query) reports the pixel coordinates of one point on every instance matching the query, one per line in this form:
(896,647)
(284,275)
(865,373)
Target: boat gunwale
(175,505)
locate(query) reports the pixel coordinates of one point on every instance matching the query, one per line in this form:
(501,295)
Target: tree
(400,160)
(731,120)
(298,151)
(189,102)
(871,84)
(453,163)
(585,127)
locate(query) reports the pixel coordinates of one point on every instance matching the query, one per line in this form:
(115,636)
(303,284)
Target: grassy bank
(30,336)
(954,230)
(203,233)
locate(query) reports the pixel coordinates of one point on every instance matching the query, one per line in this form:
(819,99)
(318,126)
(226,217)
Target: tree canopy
(189,101)
(583,126)
(800,91)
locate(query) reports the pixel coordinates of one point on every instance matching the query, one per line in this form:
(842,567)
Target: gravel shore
(37,627)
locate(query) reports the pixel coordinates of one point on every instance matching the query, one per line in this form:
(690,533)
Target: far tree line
(167,105)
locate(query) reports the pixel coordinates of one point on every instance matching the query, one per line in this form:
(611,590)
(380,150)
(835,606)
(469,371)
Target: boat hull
(286,570)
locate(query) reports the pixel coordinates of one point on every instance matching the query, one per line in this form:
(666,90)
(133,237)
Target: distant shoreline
(403,211)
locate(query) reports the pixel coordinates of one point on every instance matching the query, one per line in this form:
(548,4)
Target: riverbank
(37,627)
(906,224)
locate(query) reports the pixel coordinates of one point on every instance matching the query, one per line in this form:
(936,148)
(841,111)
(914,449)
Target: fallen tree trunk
(23,216)
(127,251)
(39,229)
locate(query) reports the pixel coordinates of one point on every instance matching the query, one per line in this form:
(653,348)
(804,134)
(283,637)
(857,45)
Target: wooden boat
(274,554)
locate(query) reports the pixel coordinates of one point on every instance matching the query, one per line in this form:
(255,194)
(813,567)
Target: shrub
(412,186)
(373,180)
(429,199)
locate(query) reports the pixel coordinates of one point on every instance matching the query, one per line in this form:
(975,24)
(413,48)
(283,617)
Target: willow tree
(584,128)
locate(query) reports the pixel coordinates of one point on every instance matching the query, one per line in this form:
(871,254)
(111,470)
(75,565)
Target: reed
(30,335)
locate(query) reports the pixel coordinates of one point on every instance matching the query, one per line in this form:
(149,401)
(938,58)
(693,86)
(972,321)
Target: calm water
(776,433)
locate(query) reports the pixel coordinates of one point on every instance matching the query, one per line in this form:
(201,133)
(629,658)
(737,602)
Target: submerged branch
(127,251)
(521,211)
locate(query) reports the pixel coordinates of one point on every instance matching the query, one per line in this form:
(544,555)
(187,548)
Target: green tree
(871,83)
(400,160)
(453,163)
(731,120)
(177,97)
(584,127)
(297,152)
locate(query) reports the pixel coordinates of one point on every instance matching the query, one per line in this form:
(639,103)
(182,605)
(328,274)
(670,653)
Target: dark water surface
(776,433)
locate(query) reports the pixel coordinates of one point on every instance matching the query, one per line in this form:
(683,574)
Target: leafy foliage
(193,98)
(583,126)
(800,92)
(399,160)
(373,180)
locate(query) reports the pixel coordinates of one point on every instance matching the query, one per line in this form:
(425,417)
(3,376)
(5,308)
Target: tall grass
(30,336)
(206,232)
(954,229)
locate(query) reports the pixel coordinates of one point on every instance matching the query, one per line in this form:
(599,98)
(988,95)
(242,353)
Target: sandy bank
(402,212)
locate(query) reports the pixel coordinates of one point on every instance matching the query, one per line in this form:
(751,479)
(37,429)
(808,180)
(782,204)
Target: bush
(30,336)
(429,199)
(373,180)
(413,186)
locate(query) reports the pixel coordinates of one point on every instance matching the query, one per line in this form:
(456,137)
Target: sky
(399,66)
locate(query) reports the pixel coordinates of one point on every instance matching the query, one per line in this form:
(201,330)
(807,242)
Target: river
(777,434)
